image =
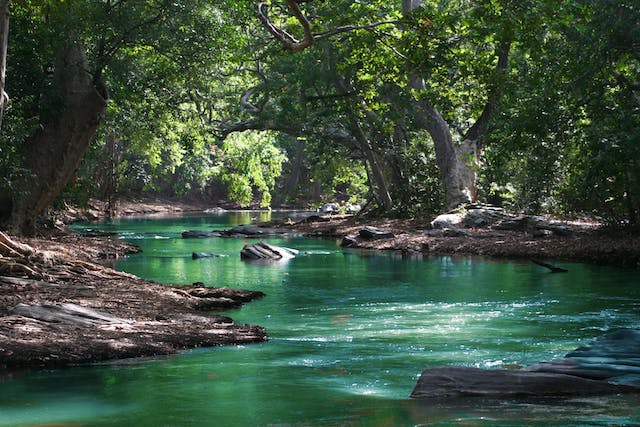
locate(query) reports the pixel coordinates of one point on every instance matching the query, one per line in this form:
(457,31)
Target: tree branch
(481,124)
(349,28)
(287,40)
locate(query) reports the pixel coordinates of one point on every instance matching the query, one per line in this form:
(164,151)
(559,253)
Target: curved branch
(480,126)
(287,40)
(349,28)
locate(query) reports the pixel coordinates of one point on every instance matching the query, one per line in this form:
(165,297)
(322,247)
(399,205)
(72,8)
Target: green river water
(350,333)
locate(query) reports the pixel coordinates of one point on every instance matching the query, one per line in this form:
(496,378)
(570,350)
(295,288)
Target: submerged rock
(254,231)
(197,234)
(198,255)
(265,251)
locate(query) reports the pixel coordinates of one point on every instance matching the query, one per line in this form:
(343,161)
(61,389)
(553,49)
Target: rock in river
(610,364)
(198,255)
(265,251)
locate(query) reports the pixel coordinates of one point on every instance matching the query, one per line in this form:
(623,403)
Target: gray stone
(196,234)
(483,217)
(198,255)
(454,382)
(374,233)
(452,220)
(329,208)
(610,364)
(265,251)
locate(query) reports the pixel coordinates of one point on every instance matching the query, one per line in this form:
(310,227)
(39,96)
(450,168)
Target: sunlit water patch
(349,334)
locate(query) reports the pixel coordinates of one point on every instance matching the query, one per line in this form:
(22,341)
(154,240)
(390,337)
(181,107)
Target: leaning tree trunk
(4,43)
(456,162)
(70,115)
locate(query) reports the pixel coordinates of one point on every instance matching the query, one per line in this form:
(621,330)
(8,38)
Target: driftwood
(65,313)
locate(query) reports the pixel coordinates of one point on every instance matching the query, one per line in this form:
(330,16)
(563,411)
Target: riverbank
(587,242)
(60,305)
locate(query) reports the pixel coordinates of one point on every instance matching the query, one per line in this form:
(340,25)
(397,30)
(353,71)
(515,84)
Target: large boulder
(265,251)
(483,216)
(455,381)
(610,364)
(614,357)
(450,220)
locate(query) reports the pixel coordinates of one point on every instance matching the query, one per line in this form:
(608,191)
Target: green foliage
(567,136)
(182,75)
(250,163)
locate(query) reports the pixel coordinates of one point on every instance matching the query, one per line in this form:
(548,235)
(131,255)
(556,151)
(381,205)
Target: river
(350,333)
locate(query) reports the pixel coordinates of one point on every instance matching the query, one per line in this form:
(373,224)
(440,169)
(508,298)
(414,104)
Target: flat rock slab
(454,382)
(374,233)
(613,357)
(196,234)
(253,231)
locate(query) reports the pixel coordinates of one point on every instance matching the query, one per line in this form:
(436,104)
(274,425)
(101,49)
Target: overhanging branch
(287,40)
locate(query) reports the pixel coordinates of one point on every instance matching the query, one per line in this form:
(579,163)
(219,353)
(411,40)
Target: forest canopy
(411,107)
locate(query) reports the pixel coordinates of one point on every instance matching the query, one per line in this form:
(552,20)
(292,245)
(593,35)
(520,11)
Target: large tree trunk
(4,43)
(70,115)
(456,163)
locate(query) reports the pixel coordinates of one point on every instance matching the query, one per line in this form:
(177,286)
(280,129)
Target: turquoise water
(350,333)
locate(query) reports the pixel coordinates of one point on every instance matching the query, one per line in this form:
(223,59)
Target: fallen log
(65,313)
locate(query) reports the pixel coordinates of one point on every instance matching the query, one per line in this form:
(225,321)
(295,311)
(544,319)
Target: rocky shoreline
(583,242)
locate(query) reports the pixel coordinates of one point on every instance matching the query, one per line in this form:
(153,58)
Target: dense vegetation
(414,106)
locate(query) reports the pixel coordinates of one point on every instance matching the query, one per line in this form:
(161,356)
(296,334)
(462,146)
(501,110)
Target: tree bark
(4,43)
(70,115)
(456,162)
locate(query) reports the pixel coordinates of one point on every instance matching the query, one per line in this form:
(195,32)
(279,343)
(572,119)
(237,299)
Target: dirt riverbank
(587,242)
(59,306)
